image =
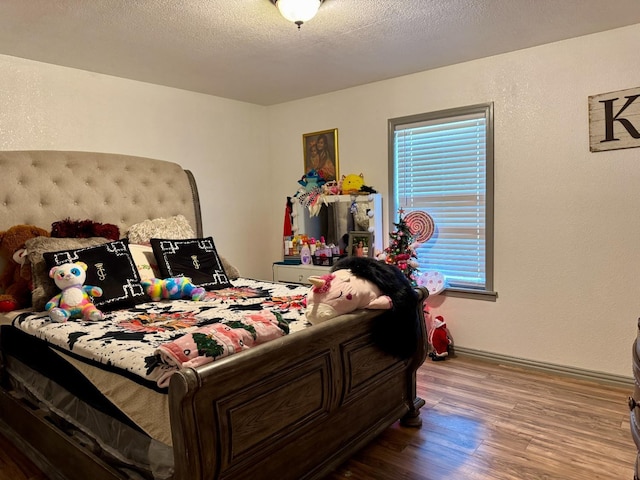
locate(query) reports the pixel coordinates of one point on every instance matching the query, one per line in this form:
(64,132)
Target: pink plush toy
(342,292)
(75,299)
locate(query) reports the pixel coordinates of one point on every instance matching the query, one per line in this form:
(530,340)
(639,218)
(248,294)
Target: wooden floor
(484,421)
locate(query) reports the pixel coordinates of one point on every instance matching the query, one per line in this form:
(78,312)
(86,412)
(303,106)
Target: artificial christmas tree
(402,249)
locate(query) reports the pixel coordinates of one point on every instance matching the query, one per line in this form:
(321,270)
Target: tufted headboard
(39,187)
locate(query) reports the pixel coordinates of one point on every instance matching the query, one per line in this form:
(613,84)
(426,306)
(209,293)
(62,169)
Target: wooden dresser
(634,401)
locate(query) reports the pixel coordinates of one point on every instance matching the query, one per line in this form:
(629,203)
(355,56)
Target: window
(442,163)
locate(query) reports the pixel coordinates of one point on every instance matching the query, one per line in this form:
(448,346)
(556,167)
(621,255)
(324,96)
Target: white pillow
(145,261)
(175,228)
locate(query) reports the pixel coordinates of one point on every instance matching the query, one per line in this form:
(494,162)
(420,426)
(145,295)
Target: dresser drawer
(634,401)
(284,273)
(635,365)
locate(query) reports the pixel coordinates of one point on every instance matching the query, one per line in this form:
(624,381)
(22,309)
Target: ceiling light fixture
(298,11)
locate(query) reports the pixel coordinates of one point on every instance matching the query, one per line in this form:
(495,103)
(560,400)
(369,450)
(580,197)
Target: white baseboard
(591,375)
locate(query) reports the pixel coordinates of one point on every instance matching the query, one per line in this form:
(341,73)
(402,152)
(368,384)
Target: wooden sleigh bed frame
(323,393)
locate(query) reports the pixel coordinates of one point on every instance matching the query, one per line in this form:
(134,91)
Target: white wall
(567,229)
(566,235)
(223,142)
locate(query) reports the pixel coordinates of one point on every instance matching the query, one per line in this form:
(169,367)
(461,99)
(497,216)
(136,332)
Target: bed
(294,407)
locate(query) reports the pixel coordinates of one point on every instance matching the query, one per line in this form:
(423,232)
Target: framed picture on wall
(360,244)
(321,153)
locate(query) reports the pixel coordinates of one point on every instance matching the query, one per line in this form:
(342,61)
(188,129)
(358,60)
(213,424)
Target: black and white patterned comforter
(135,341)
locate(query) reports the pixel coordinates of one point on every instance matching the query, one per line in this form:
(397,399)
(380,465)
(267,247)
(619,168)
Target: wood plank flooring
(14,465)
(483,421)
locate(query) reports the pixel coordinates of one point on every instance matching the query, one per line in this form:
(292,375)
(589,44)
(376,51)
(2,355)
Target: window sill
(485,295)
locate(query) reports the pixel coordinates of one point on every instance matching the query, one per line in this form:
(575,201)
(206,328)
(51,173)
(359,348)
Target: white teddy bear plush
(74,301)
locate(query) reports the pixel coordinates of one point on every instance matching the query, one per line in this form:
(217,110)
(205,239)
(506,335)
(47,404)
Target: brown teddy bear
(15,290)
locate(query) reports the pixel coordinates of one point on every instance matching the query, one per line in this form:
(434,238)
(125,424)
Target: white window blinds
(440,167)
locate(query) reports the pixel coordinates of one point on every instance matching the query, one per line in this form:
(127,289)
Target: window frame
(486,293)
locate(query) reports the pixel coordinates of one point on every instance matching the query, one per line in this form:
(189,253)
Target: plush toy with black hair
(396,331)
(69,228)
(342,292)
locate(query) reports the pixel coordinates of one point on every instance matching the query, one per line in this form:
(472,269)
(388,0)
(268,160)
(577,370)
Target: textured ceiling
(244,49)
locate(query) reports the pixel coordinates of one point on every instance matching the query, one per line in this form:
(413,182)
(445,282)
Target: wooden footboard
(294,408)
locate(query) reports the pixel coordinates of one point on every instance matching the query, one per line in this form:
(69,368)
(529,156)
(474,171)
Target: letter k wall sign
(614,120)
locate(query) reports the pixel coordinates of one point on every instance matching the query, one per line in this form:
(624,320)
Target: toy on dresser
(74,301)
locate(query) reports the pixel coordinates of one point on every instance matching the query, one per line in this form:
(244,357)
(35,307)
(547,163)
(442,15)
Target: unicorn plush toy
(342,292)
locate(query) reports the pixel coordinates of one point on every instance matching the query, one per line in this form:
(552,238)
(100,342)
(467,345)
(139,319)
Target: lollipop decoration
(420,225)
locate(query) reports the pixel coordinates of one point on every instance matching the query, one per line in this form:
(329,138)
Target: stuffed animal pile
(15,279)
(75,298)
(74,301)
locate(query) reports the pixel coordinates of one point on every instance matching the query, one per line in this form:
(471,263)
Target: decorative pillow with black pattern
(43,287)
(195,258)
(112,268)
